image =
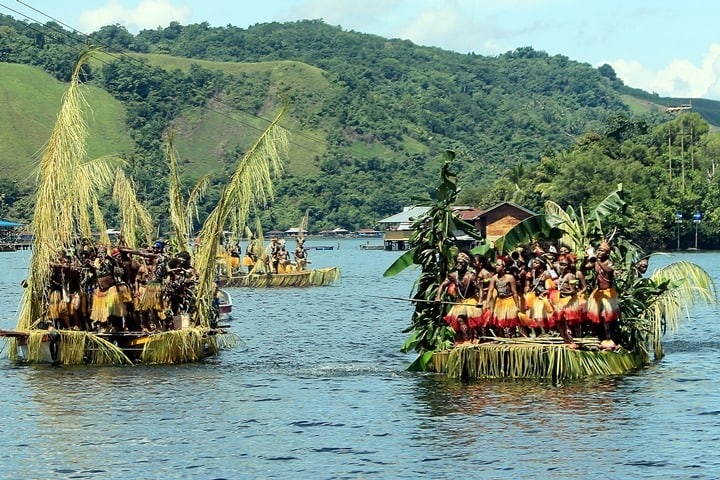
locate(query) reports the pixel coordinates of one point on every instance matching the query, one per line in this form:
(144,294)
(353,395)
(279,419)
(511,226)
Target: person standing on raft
(461,285)
(602,308)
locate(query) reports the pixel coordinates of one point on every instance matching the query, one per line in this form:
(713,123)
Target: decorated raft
(307,278)
(648,306)
(71,184)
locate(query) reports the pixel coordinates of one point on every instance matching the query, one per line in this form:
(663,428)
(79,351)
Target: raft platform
(77,347)
(534,358)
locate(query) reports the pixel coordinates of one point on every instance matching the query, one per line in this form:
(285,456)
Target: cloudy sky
(664,46)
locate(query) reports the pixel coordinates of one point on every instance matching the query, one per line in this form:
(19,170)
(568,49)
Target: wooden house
(492,223)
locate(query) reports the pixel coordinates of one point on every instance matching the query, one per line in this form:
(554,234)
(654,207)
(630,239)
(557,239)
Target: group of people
(533,292)
(275,258)
(109,289)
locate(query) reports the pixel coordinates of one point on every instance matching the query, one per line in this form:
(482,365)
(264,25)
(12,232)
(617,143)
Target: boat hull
(224,303)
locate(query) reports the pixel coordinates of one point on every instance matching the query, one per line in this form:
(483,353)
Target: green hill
(202,131)
(30,99)
(369,116)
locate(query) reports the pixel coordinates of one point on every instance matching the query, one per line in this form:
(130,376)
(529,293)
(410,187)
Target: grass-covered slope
(29,99)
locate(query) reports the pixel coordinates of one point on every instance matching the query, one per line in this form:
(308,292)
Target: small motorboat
(224,303)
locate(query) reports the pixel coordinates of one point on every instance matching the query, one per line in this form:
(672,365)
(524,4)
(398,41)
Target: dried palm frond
(100,222)
(252,184)
(191,207)
(134,215)
(75,348)
(103,352)
(90,177)
(61,189)
(186,345)
(303,225)
(259,235)
(178,214)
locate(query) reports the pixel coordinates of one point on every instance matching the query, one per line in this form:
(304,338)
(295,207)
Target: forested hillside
(369,118)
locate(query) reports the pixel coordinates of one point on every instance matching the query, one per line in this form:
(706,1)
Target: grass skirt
(151,298)
(466,308)
(55,307)
(602,306)
(505,313)
(569,308)
(124,293)
(539,311)
(107,304)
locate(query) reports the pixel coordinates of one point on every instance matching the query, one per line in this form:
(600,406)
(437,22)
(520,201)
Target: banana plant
(434,246)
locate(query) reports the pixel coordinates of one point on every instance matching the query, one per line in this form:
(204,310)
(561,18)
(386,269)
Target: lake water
(317,389)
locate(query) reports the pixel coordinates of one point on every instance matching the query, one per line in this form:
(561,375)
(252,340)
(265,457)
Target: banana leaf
(403,261)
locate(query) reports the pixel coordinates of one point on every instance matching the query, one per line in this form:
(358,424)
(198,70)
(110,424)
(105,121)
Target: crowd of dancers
(275,258)
(106,290)
(531,293)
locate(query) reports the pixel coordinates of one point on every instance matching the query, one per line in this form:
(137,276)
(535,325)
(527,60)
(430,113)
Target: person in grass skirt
(537,309)
(461,287)
(602,308)
(568,307)
(504,319)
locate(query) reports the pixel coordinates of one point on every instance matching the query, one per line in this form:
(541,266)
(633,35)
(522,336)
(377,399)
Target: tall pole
(682,159)
(696,220)
(669,155)
(678,221)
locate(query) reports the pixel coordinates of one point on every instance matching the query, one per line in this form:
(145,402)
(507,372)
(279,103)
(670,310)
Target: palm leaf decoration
(133,214)
(178,212)
(251,185)
(576,230)
(66,195)
(182,213)
(303,226)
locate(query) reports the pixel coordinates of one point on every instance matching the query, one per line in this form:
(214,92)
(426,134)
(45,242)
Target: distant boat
(368,246)
(306,278)
(321,247)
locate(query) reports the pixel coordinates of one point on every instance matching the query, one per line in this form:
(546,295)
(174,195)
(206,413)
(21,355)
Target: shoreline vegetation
(562,295)
(67,211)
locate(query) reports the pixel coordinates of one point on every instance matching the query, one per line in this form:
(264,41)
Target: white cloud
(679,79)
(148,14)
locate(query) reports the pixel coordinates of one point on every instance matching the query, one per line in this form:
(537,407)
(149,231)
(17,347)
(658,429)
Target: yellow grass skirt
(569,308)
(504,313)
(248,261)
(468,309)
(124,293)
(151,298)
(59,305)
(56,305)
(539,311)
(602,306)
(107,304)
